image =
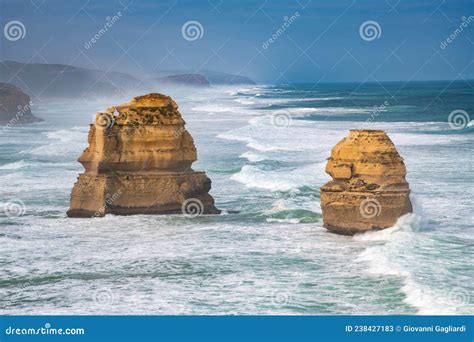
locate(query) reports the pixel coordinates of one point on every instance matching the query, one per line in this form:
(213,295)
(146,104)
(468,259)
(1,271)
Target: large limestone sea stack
(139,162)
(369,189)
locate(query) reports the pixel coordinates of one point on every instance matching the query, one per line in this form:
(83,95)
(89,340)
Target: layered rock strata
(369,189)
(139,162)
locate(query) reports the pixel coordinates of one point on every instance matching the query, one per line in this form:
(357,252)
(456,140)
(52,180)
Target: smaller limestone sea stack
(139,162)
(369,189)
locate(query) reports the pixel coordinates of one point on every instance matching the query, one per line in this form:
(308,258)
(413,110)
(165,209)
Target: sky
(271,42)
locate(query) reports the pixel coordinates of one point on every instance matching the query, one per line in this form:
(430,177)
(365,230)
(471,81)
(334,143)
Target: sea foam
(383,260)
(15,165)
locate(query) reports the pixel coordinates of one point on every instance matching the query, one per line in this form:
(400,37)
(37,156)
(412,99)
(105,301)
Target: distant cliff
(193,80)
(212,77)
(59,80)
(215,77)
(14,106)
(65,81)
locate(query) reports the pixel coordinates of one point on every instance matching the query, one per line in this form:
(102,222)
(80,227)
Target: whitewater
(265,150)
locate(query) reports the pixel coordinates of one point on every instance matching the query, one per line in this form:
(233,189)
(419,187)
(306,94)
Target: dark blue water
(414,101)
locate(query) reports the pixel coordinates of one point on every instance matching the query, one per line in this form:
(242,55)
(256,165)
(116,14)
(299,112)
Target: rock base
(131,194)
(351,213)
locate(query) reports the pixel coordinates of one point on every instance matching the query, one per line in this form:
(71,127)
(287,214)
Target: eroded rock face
(369,189)
(14,106)
(139,162)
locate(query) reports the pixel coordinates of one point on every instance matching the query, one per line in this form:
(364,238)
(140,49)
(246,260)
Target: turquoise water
(265,149)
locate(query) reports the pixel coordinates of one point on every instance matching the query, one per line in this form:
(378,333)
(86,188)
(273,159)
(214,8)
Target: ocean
(264,148)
